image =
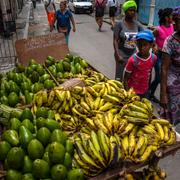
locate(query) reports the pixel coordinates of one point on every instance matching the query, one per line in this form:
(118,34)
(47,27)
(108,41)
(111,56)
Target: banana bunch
(137,112)
(96,152)
(146,174)
(40,98)
(141,141)
(94,77)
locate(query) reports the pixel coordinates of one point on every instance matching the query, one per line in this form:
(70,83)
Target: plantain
(172,138)
(113,158)
(143,147)
(147,153)
(160,130)
(95,155)
(99,123)
(132,144)
(137,121)
(139,145)
(111,99)
(128,129)
(166,133)
(85,105)
(106,106)
(103,144)
(125,144)
(90,123)
(160,121)
(136,114)
(122,126)
(96,103)
(134,107)
(97,87)
(92,91)
(148,104)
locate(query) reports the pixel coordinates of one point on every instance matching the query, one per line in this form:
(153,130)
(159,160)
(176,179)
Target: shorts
(51,17)
(99,12)
(112,11)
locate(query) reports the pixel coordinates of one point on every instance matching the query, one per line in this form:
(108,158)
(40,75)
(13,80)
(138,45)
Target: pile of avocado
(34,147)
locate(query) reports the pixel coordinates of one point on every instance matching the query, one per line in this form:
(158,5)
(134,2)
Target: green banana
(103,144)
(106,106)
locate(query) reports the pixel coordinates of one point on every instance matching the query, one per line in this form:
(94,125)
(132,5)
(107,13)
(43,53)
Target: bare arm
(116,41)
(73,23)
(125,80)
(166,61)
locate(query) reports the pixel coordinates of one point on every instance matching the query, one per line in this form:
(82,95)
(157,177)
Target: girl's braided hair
(163,13)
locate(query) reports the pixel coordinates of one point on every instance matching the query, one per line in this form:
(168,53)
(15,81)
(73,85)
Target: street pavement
(35,23)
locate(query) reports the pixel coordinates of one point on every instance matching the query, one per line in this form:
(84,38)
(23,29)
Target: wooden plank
(39,47)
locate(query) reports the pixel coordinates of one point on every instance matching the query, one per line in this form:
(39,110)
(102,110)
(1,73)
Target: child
(138,69)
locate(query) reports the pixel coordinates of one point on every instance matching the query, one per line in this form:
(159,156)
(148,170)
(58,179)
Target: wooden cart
(127,166)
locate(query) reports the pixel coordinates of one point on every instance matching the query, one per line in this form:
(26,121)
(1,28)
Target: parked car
(78,6)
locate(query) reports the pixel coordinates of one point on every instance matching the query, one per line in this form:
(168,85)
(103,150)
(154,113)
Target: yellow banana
(147,129)
(111,99)
(113,158)
(148,104)
(91,91)
(172,138)
(102,91)
(128,129)
(143,147)
(122,126)
(108,123)
(118,83)
(139,144)
(134,107)
(96,103)
(147,153)
(97,87)
(77,89)
(130,93)
(132,144)
(160,121)
(166,133)
(118,95)
(160,130)
(90,123)
(56,105)
(116,123)
(99,123)
(140,104)
(114,110)
(108,88)
(68,95)
(106,106)
(44,96)
(75,111)
(136,114)
(101,103)
(84,156)
(125,144)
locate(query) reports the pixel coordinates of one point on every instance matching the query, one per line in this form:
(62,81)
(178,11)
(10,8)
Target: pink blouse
(163,33)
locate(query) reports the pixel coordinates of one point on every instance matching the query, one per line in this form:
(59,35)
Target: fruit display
(40,154)
(80,130)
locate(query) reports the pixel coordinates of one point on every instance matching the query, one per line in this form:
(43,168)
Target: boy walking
(137,73)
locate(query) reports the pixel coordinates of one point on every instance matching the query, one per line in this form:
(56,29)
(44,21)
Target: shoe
(154,99)
(99,29)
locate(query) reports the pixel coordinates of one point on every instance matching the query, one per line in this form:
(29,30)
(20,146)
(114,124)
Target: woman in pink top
(162,31)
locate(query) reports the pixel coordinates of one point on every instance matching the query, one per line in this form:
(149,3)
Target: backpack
(136,62)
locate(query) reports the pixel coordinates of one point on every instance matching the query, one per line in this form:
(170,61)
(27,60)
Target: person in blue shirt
(64,19)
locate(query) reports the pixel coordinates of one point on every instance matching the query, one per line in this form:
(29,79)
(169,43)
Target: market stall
(65,120)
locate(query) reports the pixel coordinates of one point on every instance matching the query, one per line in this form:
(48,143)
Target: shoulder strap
(153,57)
(135,61)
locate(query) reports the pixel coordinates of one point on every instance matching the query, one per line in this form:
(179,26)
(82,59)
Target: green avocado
(26,114)
(15,157)
(13,175)
(4,149)
(14,124)
(58,171)
(28,163)
(11,136)
(75,174)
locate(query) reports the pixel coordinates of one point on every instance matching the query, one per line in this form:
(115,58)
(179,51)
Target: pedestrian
(170,73)
(50,10)
(119,7)
(112,4)
(34,4)
(137,72)
(161,32)
(124,37)
(99,8)
(64,19)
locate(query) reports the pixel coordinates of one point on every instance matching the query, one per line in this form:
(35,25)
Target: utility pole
(151,12)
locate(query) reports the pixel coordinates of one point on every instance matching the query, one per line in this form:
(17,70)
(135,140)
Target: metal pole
(151,12)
